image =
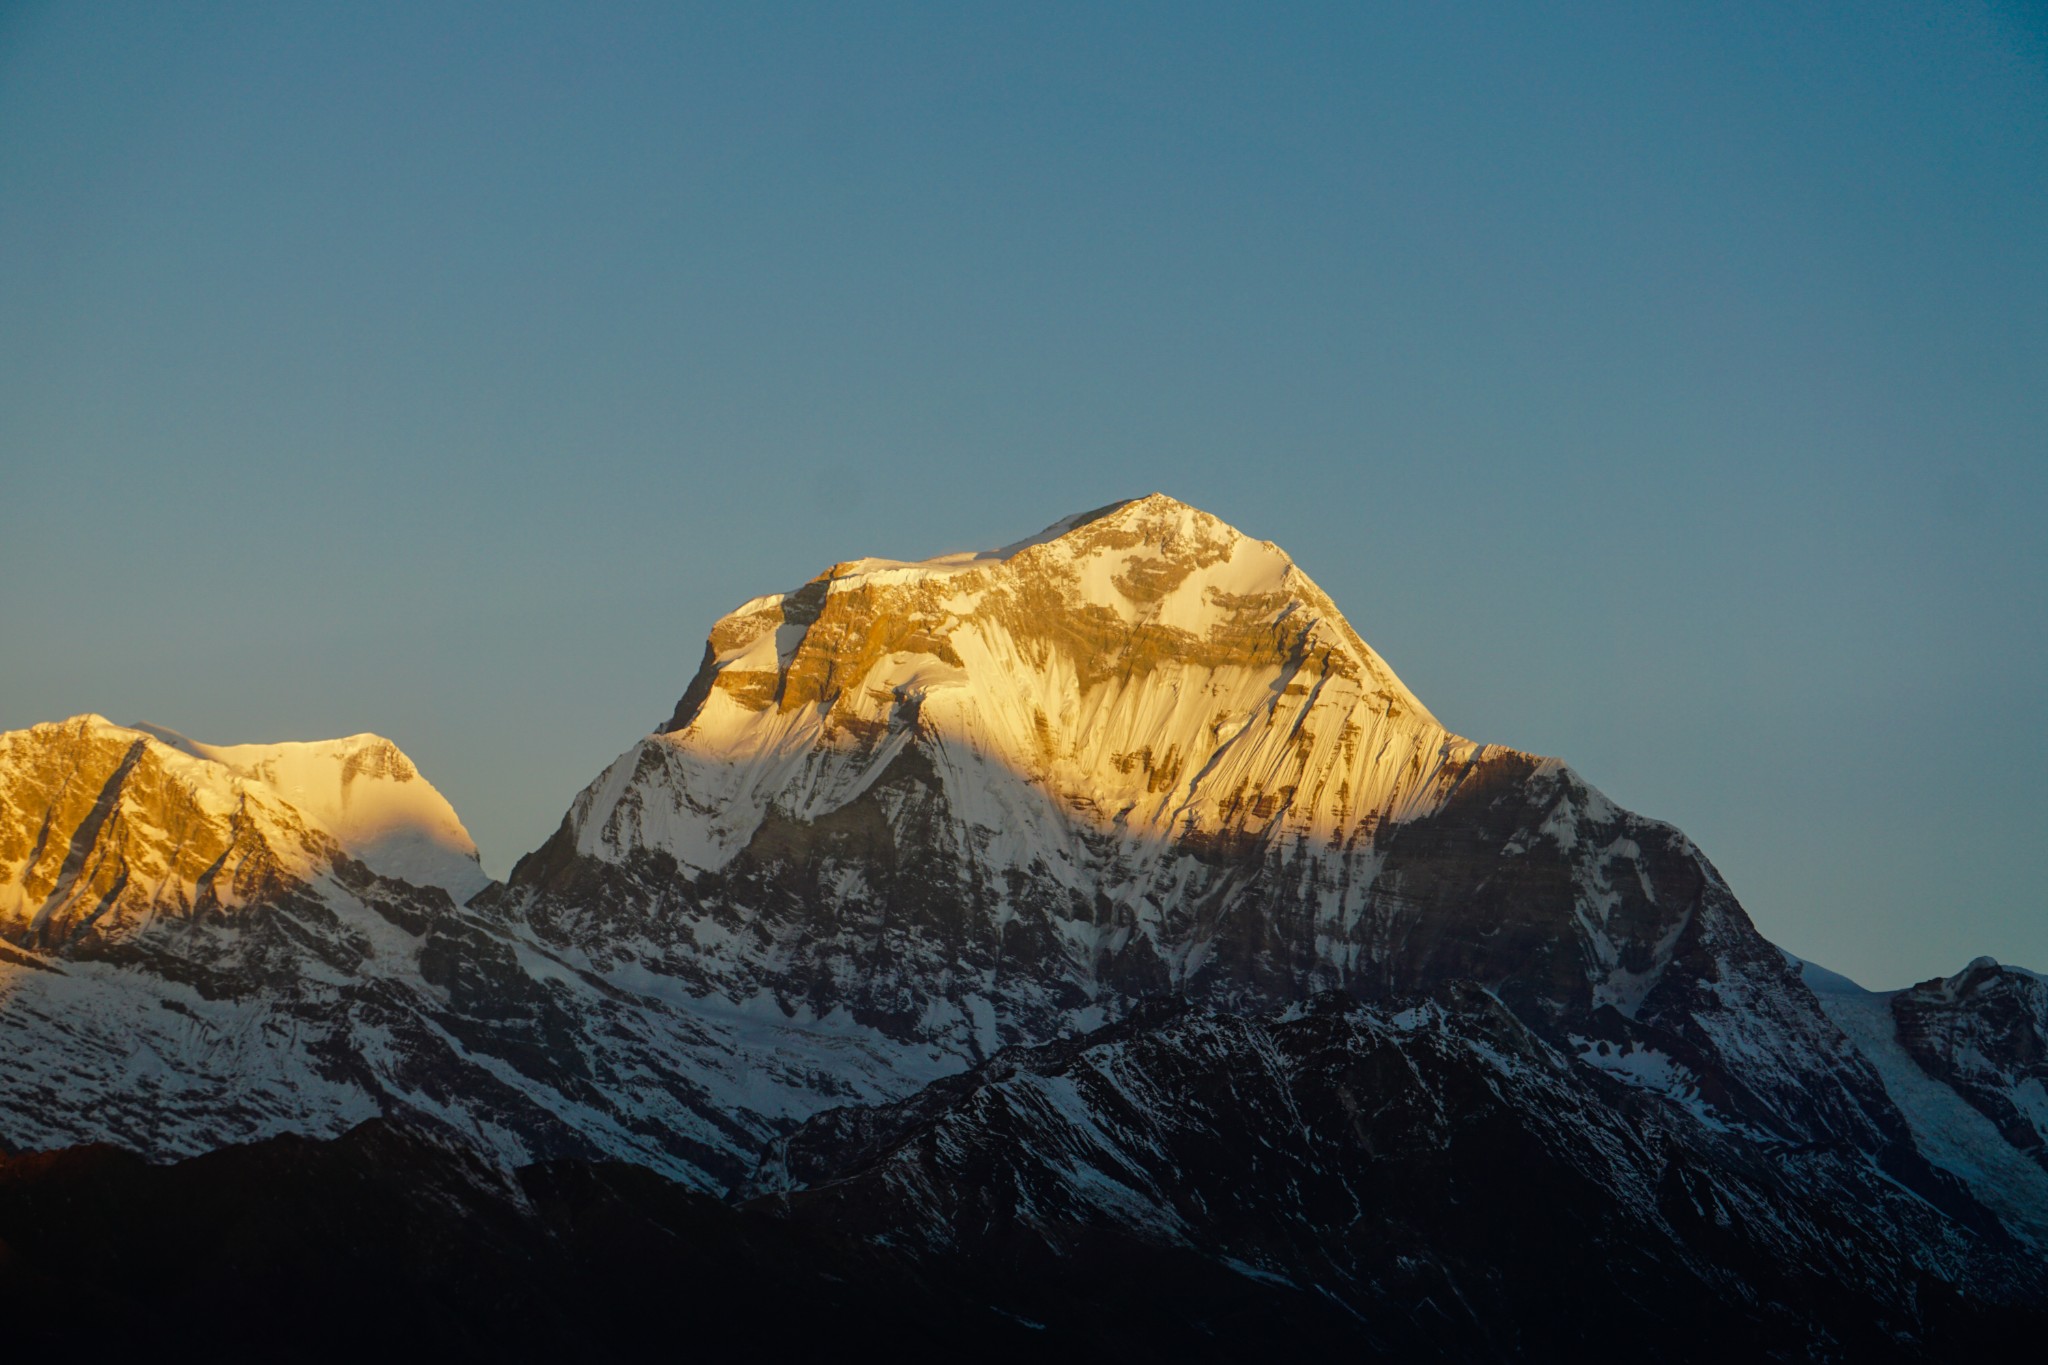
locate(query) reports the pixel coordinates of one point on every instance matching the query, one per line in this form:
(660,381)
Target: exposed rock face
(197,947)
(1984,1033)
(994,799)
(1465,1189)
(1100,897)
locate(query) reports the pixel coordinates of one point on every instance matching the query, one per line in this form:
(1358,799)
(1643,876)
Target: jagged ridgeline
(943,807)
(1034,859)
(989,795)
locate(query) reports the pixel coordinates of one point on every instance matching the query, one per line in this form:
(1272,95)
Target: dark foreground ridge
(394,1239)
(1428,1182)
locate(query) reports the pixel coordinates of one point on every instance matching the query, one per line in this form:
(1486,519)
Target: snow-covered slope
(157,824)
(1145,669)
(1466,1190)
(1953,1132)
(365,793)
(992,799)
(201,946)
(909,818)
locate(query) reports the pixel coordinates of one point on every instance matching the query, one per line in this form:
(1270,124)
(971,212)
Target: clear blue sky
(1661,387)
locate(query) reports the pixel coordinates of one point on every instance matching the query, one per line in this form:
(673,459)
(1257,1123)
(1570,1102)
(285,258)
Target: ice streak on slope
(1947,1128)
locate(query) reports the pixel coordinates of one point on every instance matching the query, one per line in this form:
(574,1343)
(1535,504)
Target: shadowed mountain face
(1984,1032)
(196,948)
(948,807)
(397,1240)
(1465,1189)
(1430,1183)
(897,892)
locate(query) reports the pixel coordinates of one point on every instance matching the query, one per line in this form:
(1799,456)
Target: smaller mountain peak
(360,788)
(359,755)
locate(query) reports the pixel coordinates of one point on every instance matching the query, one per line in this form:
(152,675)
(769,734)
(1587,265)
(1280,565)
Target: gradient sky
(1663,390)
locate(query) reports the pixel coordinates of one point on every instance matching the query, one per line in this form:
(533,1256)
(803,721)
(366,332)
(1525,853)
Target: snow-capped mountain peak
(989,798)
(1150,673)
(105,825)
(366,793)
(1111,868)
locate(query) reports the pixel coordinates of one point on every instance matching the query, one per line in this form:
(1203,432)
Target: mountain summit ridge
(1158,675)
(1140,703)
(1169,574)
(993,799)
(973,896)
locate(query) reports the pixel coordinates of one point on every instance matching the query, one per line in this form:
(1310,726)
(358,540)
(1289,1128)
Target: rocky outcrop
(1102,901)
(1461,1187)
(992,800)
(1984,1033)
(197,947)
(1432,1182)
